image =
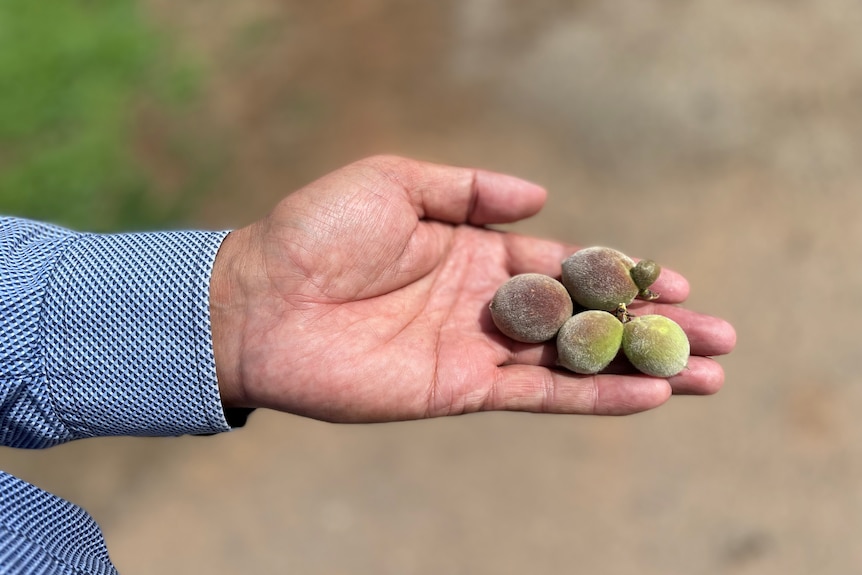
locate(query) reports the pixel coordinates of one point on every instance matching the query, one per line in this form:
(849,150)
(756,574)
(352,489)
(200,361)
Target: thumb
(460,195)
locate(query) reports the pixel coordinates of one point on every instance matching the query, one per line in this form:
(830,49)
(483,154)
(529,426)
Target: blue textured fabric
(100,334)
(62,538)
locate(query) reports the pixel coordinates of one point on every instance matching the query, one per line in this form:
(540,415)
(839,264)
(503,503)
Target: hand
(364,297)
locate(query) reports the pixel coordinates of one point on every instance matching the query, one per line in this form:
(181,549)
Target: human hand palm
(363,297)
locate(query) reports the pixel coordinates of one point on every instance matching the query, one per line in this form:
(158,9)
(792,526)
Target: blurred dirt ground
(719,138)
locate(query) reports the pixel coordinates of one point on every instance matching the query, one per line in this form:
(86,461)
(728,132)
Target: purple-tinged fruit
(531,308)
(600,278)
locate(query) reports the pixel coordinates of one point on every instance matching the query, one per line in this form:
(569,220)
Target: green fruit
(645,273)
(600,278)
(589,341)
(531,308)
(655,345)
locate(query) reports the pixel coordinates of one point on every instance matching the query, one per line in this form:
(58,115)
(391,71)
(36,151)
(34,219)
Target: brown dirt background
(722,139)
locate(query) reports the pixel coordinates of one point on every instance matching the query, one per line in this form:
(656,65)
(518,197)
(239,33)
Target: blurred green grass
(71,74)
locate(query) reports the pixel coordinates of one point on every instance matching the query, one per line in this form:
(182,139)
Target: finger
(501,199)
(461,195)
(671,287)
(544,354)
(702,376)
(533,255)
(707,335)
(526,254)
(541,390)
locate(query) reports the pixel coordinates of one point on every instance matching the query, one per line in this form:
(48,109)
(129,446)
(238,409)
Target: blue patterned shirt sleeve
(100,334)
(41,534)
(105,334)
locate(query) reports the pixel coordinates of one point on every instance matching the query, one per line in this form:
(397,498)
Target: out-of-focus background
(723,139)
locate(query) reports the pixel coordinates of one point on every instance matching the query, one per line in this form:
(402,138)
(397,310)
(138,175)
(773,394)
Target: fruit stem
(622,313)
(648,295)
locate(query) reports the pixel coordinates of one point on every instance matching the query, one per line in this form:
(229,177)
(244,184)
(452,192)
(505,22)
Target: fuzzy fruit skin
(656,345)
(589,341)
(645,273)
(531,308)
(600,278)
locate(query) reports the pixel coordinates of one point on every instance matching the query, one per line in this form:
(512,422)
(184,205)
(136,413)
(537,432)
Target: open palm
(364,296)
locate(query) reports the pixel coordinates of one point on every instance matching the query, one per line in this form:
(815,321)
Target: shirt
(100,334)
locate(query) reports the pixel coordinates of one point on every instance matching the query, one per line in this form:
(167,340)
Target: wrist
(227,305)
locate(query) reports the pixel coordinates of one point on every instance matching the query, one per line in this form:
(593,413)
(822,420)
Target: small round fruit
(600,278)
(645,273)
(655,345)
(589,341)
(531,308)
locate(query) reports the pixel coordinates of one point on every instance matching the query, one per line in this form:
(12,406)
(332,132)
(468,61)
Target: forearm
(105,334)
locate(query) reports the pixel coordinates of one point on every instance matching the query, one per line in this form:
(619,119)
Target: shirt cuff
(128,344)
